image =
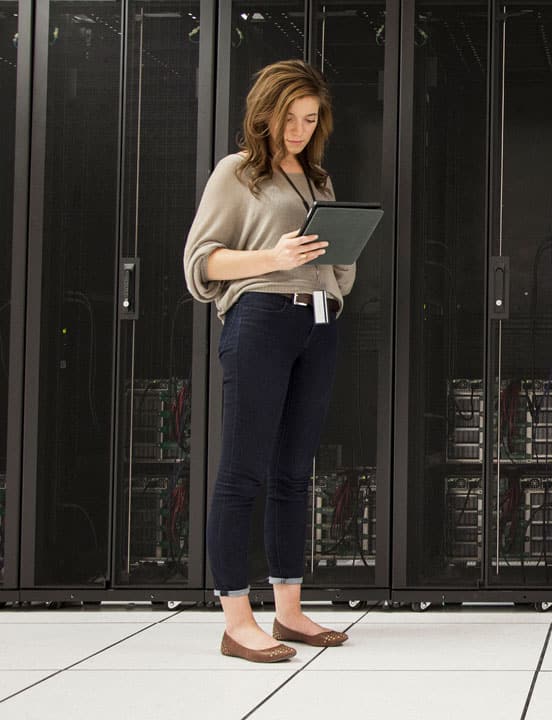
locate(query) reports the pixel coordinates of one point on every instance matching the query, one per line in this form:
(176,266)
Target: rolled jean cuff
(232,593)
(285,581)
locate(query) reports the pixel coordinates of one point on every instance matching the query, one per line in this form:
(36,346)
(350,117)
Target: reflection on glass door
(8,83)
(341,542)
(154,521)
(445,479)
(261,33)
(520,544)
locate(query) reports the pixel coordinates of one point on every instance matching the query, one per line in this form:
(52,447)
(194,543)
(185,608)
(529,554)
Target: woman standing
(244,252)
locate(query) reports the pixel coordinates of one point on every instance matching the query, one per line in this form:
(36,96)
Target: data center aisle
(469,663)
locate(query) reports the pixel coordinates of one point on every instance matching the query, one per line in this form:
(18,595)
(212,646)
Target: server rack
(113,473)
(472,470)
(466,471)
(82,468)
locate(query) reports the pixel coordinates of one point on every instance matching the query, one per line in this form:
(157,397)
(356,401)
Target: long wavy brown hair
(275,88)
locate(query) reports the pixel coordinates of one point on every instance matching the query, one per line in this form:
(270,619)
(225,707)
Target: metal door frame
(405,424)
(18,297)
(34,285)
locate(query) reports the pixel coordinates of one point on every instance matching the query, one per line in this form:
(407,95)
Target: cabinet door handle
(500,288)
(129,284)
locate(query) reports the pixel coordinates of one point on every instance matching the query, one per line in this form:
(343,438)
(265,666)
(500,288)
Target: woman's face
(299,125)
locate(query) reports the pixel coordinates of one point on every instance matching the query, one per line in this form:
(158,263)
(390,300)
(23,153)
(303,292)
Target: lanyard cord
(294,186)
(305,203)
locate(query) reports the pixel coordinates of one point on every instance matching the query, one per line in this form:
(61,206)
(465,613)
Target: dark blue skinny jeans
(278,369)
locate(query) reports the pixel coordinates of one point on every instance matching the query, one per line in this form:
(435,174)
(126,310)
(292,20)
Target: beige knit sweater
(230,216)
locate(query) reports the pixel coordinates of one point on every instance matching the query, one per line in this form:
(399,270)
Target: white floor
(137,662)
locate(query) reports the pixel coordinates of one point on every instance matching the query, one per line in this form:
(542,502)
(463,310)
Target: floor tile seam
(114,621)
(475,671)
(55,671)
(209,670)
(301,669)
(35,624)
(311,670)
(268,621)
(505,621)
(536,673)
(29,669)
(56,616)
(425,670)
(72,665)
(459,625)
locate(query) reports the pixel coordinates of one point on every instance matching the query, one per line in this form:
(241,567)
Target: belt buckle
(296,301)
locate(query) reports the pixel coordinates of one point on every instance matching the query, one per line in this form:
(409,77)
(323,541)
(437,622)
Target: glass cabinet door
(349,469)
(520,486)
(439,486)
(155,521)
(71,300)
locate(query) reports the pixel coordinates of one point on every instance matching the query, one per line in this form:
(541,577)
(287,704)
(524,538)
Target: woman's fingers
(295,250)
(308,247)
(308,255)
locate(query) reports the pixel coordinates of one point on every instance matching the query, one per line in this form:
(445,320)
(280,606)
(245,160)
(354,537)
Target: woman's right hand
(293,250)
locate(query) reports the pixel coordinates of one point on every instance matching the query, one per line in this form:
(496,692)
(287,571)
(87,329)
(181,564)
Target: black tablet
(346,226)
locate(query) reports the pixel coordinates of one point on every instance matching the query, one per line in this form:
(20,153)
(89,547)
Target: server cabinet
(354,44)
(108,509)
(472,475)
(15,72)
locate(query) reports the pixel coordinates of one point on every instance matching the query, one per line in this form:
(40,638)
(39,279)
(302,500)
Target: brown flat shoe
(328,638)
(268,655)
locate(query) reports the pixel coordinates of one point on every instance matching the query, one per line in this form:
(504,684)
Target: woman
(278,364)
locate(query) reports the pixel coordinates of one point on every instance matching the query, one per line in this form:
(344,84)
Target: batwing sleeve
(216,225)
(345,276)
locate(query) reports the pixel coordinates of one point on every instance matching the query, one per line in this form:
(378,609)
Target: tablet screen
(347,227)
